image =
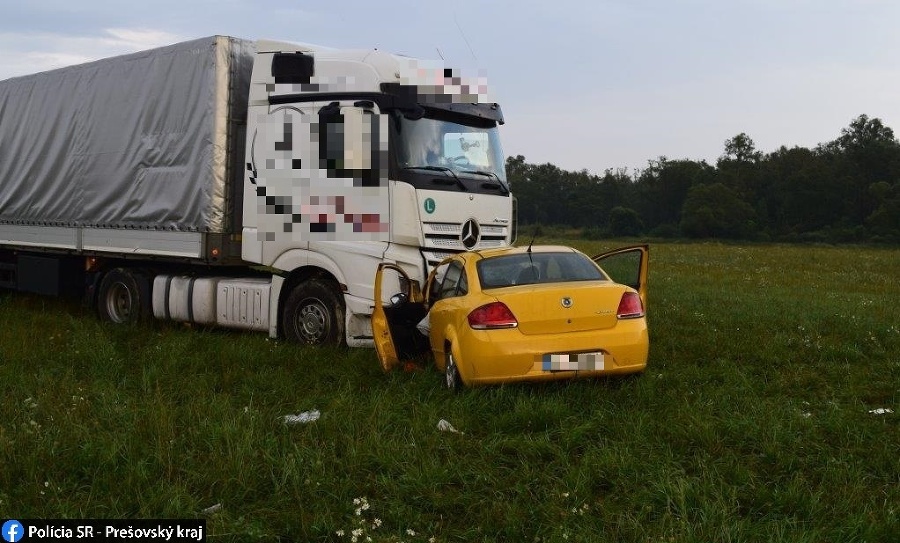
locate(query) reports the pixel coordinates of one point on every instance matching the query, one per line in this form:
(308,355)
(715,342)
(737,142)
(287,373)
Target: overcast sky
(595,85)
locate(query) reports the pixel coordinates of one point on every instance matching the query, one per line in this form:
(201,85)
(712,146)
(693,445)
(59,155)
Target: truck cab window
(467,149)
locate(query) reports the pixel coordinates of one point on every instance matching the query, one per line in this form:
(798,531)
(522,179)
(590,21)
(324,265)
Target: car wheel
(452,380)
(124,297)
(314,314)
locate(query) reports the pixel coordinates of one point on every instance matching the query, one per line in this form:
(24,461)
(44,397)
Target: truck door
(279,145)
(319,171)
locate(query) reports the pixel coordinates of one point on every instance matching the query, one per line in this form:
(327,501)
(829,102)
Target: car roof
(499,251)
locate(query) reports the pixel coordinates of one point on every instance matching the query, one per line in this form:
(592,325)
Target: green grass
(751,422)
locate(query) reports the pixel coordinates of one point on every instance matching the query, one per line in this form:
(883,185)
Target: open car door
(627,266)
(394,323)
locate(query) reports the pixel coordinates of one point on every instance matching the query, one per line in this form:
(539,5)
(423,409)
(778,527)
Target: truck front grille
(446,236)
(444,239)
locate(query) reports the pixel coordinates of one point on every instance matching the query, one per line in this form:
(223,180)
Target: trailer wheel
(124,297)
(314,314)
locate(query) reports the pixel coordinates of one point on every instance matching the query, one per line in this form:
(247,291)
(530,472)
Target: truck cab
(359,157)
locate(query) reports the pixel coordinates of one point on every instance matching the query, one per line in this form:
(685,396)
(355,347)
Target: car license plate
(572,362)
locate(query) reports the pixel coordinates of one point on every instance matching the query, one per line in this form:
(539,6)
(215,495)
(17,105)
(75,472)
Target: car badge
(566,302)
(470,234)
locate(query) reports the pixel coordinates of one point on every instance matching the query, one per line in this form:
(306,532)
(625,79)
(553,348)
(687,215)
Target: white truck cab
(360,157)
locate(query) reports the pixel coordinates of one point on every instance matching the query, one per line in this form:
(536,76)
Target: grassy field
(756,420)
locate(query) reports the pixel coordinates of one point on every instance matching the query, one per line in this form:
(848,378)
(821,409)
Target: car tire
(313,314)
(124,297)
(452,380)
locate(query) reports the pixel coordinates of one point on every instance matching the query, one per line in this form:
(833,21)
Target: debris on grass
(212,509)
(881,411)
(303,418)
(445,426)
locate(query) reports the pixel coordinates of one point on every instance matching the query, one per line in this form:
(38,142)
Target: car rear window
(533,268)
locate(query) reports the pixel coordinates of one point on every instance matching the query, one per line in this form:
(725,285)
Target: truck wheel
(314,314)
(124,297)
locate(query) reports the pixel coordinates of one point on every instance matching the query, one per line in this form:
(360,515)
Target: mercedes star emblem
(470,233)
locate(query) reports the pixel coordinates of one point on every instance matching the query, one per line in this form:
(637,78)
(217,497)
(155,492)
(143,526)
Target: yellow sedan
(518,314)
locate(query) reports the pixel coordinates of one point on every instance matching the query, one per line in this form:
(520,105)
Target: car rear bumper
(498,356)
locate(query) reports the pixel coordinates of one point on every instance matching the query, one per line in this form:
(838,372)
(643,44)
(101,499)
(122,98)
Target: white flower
(410,531)
(339,533)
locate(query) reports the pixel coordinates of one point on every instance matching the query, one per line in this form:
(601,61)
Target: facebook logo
(12,531)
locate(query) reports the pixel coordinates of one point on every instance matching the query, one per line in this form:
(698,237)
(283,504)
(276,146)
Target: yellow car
(518,314)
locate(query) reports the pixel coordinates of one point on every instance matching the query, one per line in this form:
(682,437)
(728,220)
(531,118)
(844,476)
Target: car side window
(434,290)
(451,280)
(463,287)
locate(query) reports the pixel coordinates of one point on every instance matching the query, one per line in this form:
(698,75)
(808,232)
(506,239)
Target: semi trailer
(245,184)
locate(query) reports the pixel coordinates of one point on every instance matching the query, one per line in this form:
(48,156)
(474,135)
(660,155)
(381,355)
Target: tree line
(844,190)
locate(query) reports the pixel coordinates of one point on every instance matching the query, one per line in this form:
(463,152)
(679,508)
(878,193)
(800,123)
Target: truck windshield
(466,146)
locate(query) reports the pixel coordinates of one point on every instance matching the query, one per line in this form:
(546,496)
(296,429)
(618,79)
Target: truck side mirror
(292,68)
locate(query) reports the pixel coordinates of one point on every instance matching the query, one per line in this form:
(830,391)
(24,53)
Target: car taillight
(630,306)
(492,315)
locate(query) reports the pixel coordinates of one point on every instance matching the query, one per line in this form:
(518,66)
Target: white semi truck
(245,184)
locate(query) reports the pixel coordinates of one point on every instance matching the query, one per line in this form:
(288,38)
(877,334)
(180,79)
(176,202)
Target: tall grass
(755,421)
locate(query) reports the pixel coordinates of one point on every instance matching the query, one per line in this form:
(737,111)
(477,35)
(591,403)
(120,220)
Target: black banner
(89,530)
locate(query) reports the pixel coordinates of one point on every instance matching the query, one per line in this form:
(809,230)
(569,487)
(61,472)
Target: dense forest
(844,190)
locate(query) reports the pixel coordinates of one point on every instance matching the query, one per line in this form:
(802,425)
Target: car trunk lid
(554,308)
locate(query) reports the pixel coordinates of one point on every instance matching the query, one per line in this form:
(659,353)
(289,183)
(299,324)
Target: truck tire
(124,297)
(313,314)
